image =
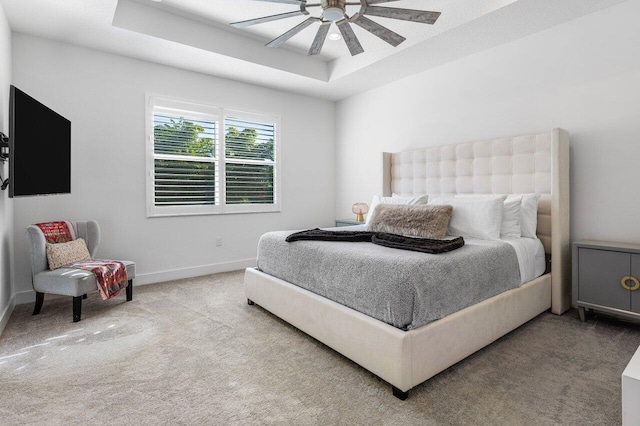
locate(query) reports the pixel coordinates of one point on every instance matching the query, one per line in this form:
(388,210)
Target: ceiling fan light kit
(335,11)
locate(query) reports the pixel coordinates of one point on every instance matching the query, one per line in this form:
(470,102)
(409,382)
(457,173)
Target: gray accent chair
(67,281)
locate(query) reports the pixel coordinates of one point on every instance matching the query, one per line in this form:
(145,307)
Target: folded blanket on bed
(424,245)
(318,234)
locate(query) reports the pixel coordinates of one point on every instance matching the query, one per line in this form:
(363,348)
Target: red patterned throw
(56,232)
(111,275)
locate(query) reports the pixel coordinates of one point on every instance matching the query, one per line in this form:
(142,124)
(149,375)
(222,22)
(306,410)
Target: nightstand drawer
(606,277)
(635,272)
(600,273)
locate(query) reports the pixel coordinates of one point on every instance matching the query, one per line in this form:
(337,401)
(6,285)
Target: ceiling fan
(334,11)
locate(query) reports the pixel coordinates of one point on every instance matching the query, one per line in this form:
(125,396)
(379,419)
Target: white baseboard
(6,314)
(177,274)
(29,296)
(196,271)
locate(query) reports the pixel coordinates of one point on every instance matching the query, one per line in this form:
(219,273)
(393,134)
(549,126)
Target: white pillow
(413,199)
(511,227)
(395,199)
(511,221)
(474,217)
(528,214)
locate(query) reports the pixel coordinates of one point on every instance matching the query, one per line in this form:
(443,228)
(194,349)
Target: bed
(407,357)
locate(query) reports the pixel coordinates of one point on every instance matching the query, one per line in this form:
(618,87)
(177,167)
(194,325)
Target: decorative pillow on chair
(61,254)
(418,220)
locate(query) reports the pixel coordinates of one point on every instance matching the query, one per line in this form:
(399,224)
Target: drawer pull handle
(634,280)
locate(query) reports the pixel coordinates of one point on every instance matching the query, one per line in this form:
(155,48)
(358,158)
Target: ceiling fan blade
(321,35)
(421,16)
(349,37)
(378,1)
(269,18)
(378,30)
(296,2)
(279,41)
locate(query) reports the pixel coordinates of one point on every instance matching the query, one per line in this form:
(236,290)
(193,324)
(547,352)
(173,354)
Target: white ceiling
(223,12)
(195,35)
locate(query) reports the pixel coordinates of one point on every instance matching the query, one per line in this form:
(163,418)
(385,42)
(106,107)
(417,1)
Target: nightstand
(348,222)
(606,278)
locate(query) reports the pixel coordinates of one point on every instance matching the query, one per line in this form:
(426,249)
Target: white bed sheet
(530,253)
(531,259)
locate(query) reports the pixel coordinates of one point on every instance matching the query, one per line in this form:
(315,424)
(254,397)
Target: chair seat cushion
(72,282)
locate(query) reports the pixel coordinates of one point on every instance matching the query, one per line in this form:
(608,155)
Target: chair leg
(77,308)
(130,291)
(39,300)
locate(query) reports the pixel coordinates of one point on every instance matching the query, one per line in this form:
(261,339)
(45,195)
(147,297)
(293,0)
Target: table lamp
(360,209)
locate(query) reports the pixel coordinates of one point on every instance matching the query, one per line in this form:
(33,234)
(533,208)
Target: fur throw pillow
(426,221)
(61,254)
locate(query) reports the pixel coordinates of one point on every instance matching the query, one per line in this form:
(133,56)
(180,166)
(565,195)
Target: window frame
(206,110)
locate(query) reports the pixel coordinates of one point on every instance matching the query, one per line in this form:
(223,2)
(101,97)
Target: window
(203,159)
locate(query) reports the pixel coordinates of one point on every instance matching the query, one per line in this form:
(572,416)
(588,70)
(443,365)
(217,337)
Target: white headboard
(524,164)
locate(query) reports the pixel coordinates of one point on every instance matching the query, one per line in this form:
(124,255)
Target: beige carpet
(192,352)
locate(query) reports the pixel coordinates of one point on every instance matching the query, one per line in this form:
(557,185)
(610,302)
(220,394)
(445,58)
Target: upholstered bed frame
(535,163)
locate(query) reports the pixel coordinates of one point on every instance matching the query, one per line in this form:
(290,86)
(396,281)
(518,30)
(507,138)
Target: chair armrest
(37,249)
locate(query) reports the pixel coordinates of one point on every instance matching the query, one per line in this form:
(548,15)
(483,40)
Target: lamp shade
(360,209)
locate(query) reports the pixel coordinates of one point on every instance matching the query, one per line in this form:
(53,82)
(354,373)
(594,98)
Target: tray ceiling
(195,35)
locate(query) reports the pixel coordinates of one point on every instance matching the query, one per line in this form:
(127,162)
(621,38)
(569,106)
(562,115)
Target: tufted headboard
(524,164)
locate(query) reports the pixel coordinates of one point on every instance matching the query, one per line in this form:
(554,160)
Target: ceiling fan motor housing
(334,10)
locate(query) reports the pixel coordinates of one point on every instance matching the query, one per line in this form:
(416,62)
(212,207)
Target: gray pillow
(426,221)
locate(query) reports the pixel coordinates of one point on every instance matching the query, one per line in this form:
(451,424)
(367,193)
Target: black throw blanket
(424,245)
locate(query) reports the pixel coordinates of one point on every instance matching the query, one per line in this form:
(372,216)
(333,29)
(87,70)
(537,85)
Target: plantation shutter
(250,160)
(186,167)
(204,159)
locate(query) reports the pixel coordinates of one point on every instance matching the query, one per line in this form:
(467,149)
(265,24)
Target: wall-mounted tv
(39,148)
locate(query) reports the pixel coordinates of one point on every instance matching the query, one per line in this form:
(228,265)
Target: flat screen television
(39,148)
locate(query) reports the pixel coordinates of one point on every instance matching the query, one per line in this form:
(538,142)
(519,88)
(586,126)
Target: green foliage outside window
(193,182)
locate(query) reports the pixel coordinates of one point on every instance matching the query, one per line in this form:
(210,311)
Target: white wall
(583,76)
(103,95)
(6,205)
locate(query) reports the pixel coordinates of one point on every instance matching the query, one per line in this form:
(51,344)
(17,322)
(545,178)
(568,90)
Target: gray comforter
(402,288)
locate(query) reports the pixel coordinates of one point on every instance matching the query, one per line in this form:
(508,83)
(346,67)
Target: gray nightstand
(348,222)
(606,278)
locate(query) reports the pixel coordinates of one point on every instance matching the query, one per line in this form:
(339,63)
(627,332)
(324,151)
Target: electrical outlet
(218,241)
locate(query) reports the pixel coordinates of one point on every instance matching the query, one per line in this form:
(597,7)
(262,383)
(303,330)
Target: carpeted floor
(192,352)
